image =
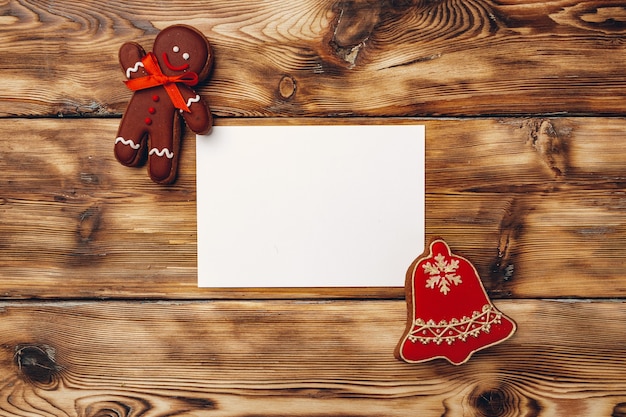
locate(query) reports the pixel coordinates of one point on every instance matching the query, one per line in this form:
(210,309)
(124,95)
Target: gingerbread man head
(161,82)
(181,49)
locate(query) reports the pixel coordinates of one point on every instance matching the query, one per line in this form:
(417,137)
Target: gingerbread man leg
(164,153)
(130,144)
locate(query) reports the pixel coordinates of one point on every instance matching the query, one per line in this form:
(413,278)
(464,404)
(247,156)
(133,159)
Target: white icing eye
(185,56)
(176,49)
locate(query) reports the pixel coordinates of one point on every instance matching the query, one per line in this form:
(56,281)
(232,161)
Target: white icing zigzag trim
(134,69)
(127,142)
(456,329)
(162,152)
(193,100)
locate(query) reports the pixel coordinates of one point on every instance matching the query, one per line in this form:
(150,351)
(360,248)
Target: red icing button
(155,98)
(151,110)
(148,121)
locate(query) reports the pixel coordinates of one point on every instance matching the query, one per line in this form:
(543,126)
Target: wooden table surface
(525,175)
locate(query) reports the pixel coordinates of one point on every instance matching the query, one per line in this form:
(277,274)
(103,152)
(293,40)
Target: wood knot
(88,223)
(512,228)
(112,406)
(550,145)
(107,405)
(109,409)
(37,364)
(89,178)
(619,410)
(356,20)
(287,87)
(500,401)
(115,410)
(607,18)
(491,403)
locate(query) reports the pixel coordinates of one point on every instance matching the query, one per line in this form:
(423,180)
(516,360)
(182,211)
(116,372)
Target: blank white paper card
(309,206)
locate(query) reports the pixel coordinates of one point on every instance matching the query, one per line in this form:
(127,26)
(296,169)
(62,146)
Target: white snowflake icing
(442,274)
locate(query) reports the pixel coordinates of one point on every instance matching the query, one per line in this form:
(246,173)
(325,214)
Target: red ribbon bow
(156,77)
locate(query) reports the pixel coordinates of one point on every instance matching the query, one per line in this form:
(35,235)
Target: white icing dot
(176,49)
(185,56)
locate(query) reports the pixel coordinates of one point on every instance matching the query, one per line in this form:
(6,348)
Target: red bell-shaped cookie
(450,315)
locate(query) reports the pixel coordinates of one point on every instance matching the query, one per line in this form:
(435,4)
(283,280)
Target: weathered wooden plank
(277,358)
(329,57)
(537,204)
(74,223)
(538,245)
(526,154)
(539,194)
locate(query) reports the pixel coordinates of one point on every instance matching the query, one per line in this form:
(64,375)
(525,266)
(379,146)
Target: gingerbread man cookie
(161,82)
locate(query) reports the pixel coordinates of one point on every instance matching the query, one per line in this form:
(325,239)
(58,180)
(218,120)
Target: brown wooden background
(526,176)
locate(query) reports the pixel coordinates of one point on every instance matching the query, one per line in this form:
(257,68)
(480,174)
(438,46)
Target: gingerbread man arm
(130,56)
(199,118)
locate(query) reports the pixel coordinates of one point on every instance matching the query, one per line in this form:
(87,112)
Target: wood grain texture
(539,214)
(101,315)
(277,358)
(324,57)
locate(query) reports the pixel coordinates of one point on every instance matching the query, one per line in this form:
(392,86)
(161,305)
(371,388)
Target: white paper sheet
(309,206)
